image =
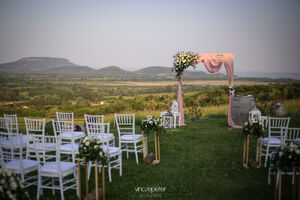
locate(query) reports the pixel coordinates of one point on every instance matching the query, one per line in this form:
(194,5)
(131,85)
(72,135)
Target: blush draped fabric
(213,64)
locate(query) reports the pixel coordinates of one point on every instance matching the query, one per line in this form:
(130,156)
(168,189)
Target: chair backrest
(11,146)
(43,154)
(289,134)
(62,116)
(55,125)
(35,126)
(275,124)
(13,125)
(125,124)
(3,124)
(102,129)
(265,120)
(94,118)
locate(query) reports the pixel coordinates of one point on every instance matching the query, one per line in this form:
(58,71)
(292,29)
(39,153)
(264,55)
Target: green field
(202,160)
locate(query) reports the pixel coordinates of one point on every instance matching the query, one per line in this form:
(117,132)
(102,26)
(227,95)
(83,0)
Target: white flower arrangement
(90,150)
(182,61)
(150,125)
(11,186)
(286,157)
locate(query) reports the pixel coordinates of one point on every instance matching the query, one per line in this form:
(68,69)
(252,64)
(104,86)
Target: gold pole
(248,141)
(96,179)
(158,147)
(298,183)
(103,183)
(155,146)
(275,187)
(244,152)
(279,186)
(295,184)
(256,156)
(146,145)
(79,179)
(86,179)
(143,144)
(260,149)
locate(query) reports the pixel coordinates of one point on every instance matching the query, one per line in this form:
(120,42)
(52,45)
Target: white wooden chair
(173,120)
(128,140)
(91,120)
(12,158)
(36,127)
(65,130)
(101,132)
(68,118)
(65,172)
(273,140)
(14,127)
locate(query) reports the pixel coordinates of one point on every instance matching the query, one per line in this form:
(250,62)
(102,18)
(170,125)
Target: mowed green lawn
(202,160)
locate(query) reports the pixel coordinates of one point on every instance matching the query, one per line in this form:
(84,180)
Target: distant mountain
(64,68)
(112,71)
(39,65)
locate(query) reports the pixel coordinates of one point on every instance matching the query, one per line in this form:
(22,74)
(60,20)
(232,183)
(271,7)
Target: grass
(202,160)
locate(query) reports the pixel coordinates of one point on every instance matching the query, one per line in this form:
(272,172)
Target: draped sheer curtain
(213,63)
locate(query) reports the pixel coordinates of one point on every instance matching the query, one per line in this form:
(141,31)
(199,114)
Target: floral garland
(11,186)
(182,61)
(253,128)
(151,125)
(90,150)
(287,156)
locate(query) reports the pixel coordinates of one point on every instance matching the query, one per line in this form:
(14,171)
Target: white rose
(101,154)
(297,151)
(87,144)
(290,156)
(280,154)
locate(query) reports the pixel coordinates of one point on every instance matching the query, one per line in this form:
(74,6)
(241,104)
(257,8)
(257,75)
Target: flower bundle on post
(182,61)
(287,157)
(256,128)
(11,186)
(90,150)
(152,125)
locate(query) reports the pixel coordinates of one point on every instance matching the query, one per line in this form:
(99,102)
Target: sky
(263,35)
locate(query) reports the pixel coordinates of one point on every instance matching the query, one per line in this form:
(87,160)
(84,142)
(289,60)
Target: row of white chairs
(42,149)
(279,133)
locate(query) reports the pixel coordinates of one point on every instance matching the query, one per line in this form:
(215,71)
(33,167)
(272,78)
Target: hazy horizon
(262,34)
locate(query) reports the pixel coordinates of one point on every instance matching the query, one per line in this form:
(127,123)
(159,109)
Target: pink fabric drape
(179,100)
(213,64)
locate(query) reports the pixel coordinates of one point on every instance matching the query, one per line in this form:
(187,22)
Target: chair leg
(61,188)
(266,155)
(269,176)
(120,160)
(127,153)
(53,190)
(38,188)
(136,155)
(109,171)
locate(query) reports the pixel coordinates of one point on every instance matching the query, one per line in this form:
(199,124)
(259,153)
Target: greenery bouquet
(182,61)
(11,186)
(253,128)
(288,156)
(90,150)
(150,125)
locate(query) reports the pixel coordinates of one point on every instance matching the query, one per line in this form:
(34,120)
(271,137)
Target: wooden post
(155,146)
(103,183)
(79,179)
(158,147)
(275,187)
(244,152)
(86,179)
(143,144)
(96,179)
(295,184)
(260,149)
(279,185)
(247,157)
